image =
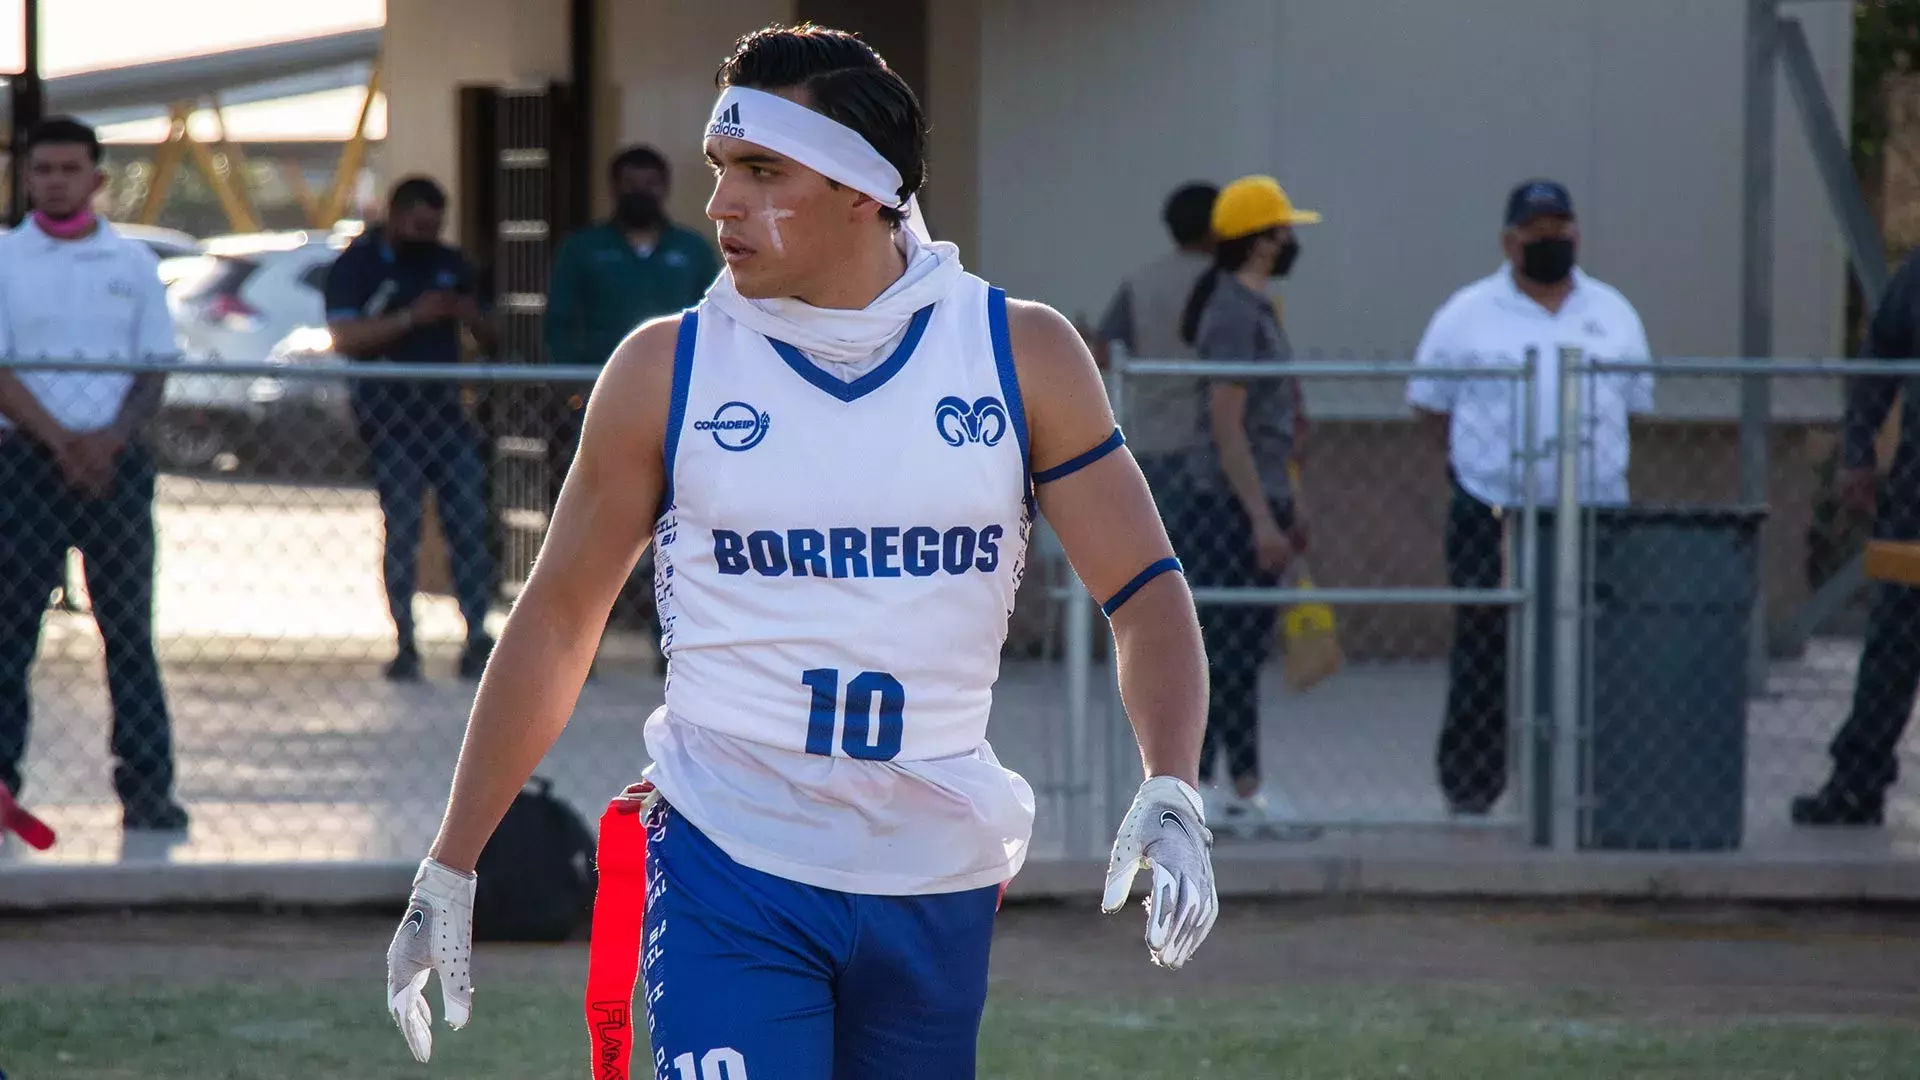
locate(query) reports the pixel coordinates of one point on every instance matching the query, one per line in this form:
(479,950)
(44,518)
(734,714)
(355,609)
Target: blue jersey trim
(1010,384)
(1073,465)
(872,380)
(677,404)
(1126,591)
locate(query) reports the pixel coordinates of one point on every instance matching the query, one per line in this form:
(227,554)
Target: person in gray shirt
(1236,525)
(1144,316)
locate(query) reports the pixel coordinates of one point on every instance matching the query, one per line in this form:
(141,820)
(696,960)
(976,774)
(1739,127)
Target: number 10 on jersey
(870,733)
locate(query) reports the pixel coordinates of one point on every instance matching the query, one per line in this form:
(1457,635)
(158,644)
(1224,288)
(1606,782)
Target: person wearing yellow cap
(1237,526)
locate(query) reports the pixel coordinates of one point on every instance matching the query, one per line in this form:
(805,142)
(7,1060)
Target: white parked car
(249,299)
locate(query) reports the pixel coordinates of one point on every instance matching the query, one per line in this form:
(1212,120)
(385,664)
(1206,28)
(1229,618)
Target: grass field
(1281,992)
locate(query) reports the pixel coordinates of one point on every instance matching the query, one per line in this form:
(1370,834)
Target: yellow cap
(1254,204)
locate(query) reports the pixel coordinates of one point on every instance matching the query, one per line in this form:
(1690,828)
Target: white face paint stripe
(772,215)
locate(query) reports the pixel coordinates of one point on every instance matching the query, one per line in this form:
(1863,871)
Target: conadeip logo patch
(736,426)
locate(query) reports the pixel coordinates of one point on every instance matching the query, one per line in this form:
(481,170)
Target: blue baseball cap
(1538,198)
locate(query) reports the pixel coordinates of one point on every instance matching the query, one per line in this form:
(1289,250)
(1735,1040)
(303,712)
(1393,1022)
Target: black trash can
(1669,592)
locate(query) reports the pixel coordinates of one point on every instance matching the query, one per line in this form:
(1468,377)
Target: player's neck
(869,270)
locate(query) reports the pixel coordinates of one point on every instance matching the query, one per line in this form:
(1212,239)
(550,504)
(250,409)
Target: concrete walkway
(294,752)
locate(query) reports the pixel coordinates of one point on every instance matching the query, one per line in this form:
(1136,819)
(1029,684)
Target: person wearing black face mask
(1538,302)
(399,295)
(1235,522)
(608,279)
(634,266)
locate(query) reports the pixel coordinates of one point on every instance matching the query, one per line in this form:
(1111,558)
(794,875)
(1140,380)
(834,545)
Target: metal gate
(521,192)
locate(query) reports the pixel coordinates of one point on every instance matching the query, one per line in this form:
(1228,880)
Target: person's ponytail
(1197,298)
(1228,257)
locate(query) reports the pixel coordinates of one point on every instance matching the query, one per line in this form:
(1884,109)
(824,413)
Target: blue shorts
(750,975)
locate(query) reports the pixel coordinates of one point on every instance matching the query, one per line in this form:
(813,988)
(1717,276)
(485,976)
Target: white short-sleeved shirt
(1491,323)
(99,299)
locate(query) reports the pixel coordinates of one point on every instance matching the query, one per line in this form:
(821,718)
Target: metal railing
(271,626)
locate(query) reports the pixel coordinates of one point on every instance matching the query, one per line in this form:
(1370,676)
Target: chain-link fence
(216,631)
(1397,664)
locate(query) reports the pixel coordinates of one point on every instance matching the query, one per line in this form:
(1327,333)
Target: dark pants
(1472,752)
(1214,540)
(435,445)
(40,518)
(1865,751)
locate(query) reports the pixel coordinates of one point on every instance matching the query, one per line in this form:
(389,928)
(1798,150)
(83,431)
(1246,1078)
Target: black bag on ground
(536,875)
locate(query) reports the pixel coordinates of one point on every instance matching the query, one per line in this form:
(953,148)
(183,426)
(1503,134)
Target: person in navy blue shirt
(399,295)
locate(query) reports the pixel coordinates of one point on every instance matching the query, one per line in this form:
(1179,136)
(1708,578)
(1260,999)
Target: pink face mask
(66,228)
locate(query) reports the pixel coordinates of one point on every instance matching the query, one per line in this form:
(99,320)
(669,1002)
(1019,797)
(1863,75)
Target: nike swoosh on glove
(1166,830)
(436,934)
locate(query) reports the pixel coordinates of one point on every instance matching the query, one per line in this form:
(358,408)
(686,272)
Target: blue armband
(1067,468)
(1126,591)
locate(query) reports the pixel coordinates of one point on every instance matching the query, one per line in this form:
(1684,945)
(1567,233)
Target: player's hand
(435,935)
(1166,830)
(435,306)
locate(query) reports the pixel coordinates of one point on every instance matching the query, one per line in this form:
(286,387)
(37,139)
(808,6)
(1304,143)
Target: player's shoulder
(1044,342)
(642,364)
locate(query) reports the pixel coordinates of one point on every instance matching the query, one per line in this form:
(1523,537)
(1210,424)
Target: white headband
(790,129)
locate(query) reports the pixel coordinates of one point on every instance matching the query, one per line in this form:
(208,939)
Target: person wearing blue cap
(1534,305)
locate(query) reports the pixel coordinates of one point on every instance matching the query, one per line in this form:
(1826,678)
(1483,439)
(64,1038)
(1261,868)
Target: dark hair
(847,82)
(416,191)
(1189,212)
(638,157)
(1228,257)
(64,131)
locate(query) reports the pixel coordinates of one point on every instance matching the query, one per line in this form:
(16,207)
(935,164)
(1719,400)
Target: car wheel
(192,439)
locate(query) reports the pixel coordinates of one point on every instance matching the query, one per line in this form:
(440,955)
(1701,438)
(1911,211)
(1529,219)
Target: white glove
(1166,829)
(435,935)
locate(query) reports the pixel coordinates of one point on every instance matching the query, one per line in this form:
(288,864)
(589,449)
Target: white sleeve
(153,336)
(1437,347)
(1636,350)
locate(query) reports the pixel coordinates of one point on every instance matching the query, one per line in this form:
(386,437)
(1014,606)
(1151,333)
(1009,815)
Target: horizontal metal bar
(1329,369)
(259,369)
(1361,597)
(1223,834)
(1334,596)
(1832,368)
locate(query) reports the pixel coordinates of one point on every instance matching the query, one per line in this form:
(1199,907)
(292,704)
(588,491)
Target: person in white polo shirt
(1538,302)
(72,470)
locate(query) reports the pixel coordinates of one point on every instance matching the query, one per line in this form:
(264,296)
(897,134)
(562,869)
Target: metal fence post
(1568,611)
(1532,708)
(1756,283)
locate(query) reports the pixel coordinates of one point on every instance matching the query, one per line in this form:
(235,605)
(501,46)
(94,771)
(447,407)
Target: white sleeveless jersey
(835,566)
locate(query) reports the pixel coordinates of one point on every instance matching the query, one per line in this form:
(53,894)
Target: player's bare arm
(601,525)
(1105,516)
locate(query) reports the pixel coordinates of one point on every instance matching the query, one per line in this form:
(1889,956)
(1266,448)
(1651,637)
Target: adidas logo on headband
(727,124)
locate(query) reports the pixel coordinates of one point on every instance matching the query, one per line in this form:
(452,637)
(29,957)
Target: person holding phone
(400,295)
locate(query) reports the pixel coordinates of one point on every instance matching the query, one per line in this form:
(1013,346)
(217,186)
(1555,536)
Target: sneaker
(1262,814)
(405,665)
(1831,806)
(154,815)
(473,662)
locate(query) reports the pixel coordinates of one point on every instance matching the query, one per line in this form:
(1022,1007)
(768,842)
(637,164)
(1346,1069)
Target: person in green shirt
(611,277)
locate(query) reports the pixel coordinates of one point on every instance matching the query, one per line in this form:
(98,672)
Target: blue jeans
(41,516)
(748,974)
(437,445)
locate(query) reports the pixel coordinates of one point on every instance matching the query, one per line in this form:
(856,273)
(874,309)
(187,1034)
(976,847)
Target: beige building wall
(659,58)
(1405,121)
(431,47)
